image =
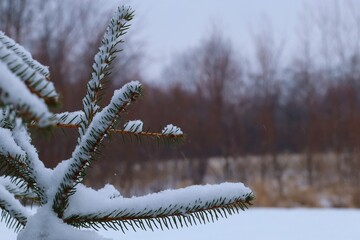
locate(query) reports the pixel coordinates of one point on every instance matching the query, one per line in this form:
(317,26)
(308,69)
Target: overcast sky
(171,26)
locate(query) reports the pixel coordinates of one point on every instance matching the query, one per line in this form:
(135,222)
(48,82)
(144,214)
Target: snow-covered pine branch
(15,162)
(14,214)
(131,129)
(37,169)
(69,119)
(117,28)
(23,83)
(135,126)
(89,143)
(172,130)
(26,57)
(32,73)
(19,191)
(15,93)
(169,209)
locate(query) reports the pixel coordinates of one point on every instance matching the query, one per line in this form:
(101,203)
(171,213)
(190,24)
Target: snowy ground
(256,224)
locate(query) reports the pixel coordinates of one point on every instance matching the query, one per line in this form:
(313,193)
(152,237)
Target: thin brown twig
(120,131)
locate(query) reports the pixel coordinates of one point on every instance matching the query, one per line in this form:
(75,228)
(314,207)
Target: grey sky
(171,26)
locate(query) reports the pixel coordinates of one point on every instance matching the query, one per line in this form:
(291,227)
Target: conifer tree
(67,208)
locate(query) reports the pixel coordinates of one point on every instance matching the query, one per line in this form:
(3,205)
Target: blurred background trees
(283,114)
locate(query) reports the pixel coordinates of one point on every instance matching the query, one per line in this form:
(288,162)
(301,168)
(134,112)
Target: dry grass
(285,184)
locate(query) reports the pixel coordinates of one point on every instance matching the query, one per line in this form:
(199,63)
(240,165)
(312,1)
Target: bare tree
(17,17)
(303,94)
(213,73)
(267,92)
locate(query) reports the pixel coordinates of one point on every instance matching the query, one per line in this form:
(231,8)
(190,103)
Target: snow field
(255,224)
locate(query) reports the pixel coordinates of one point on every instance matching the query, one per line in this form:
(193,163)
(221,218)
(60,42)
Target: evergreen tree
(66,208)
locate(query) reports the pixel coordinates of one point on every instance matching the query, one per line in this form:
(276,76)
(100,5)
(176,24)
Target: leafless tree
(213,73)
(267,92)
(17,18)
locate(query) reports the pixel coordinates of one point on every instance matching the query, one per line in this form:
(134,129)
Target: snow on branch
(135,126)
(169,209)
(117,28)
(89,143)
(15,93)
(24,54)
(17,160)
(131,128)
(13,158)
(167,136)
(69,119)
(37,169)
(8,146)
(7,117)
(32,73)
(170,133)
(45,225)
(19,191)
(12,211)
(172,130)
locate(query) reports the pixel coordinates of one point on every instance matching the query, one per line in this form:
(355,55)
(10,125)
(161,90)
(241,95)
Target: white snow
(18,94)
(174,200)
(135,126)
(39,171)
(255,224)
(109,191)
(53,228)
(14,189)
(103,57)
(171,130)
(8,146)
(32,73)
(70,117)
(25,55)
(12,203)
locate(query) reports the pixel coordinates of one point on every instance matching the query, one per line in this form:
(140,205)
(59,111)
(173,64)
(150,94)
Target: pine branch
(89,143)
(34,164)
(13,213)
(168,209)
(69,119)
(14,162)
(14,92)
(24,54)
(22,193)
(167,138)
(22,178)
(31,72)
(73,119)
(7,117)
(101,68)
